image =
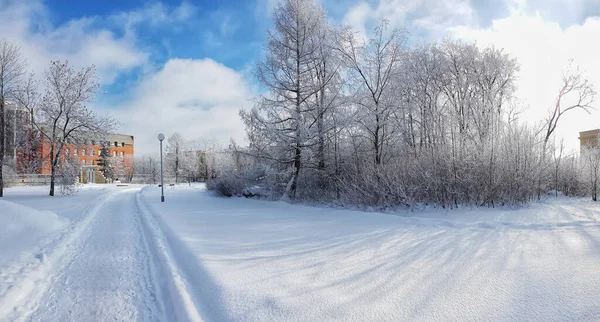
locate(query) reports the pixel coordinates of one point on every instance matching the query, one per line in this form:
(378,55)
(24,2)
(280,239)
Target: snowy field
(117,253)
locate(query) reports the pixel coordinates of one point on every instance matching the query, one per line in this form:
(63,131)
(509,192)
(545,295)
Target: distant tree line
(184,161)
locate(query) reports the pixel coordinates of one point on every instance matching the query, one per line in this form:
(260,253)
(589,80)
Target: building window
(92,152)
(82,151)
(116,144)
(83,162)
(115,154)
(122,154)
(67,151)
(99,152)
(122,143)
(75,152)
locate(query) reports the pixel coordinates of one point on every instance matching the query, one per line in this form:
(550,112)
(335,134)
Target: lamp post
(161,137)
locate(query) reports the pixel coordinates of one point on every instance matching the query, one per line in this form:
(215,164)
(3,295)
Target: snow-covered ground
(118,253)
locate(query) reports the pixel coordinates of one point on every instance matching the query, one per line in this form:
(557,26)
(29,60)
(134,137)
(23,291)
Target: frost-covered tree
(68,171)
(63,117)
(175,155)
(279,126)
(30,141)
(12,69)
(576,93)
(591,158)
(146,170)
(374,67)
(105,161)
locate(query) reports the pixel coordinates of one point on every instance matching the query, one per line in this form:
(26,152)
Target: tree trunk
(52,176)
(376,139)
(321,148)
(1,145)
(297,157)
(52,170)
(321,144)
(294,185)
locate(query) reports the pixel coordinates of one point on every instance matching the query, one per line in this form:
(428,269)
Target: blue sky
(186,66)
(230,32)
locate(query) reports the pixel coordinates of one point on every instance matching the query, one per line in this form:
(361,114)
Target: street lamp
(161,137)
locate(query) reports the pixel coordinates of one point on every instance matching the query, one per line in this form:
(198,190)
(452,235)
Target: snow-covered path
(110,275)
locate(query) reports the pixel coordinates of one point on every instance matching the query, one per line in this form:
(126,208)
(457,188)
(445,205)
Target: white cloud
(197,98)
(431,15)
(357,18)
(78,41)
(564,12)
(155,14)
(86,40)
(543,49)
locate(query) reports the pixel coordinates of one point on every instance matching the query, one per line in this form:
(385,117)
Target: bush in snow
(259,181)
(68,177)
(229,185)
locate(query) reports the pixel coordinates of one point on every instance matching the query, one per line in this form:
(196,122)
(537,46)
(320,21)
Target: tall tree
(278,126)
(328,83)
(374,65)
(576,92)
(63,116)
(28,97)
(12,69)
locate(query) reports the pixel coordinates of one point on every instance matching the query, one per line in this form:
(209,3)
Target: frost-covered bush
(316,186)
(228,186)
(68,177)
(260,181)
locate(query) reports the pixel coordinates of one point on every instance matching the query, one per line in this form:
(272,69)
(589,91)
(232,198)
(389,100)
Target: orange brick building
(88,156)
(19,130)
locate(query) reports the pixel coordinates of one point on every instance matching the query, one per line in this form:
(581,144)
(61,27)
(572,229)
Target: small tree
(68,176)
(106,166)
(29,144)
(591,157)
(557,157)
(175,150)
(12,69)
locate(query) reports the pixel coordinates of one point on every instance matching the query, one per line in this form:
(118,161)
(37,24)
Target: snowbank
(22,228)
(24,234)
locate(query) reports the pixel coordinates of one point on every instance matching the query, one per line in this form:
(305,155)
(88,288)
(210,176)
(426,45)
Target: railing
(27,179)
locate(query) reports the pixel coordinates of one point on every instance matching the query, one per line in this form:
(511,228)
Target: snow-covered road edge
(33,279)
(178,299)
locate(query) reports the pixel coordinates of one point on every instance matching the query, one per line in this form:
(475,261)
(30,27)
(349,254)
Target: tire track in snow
(109,275)
(149,280)
(177,299)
